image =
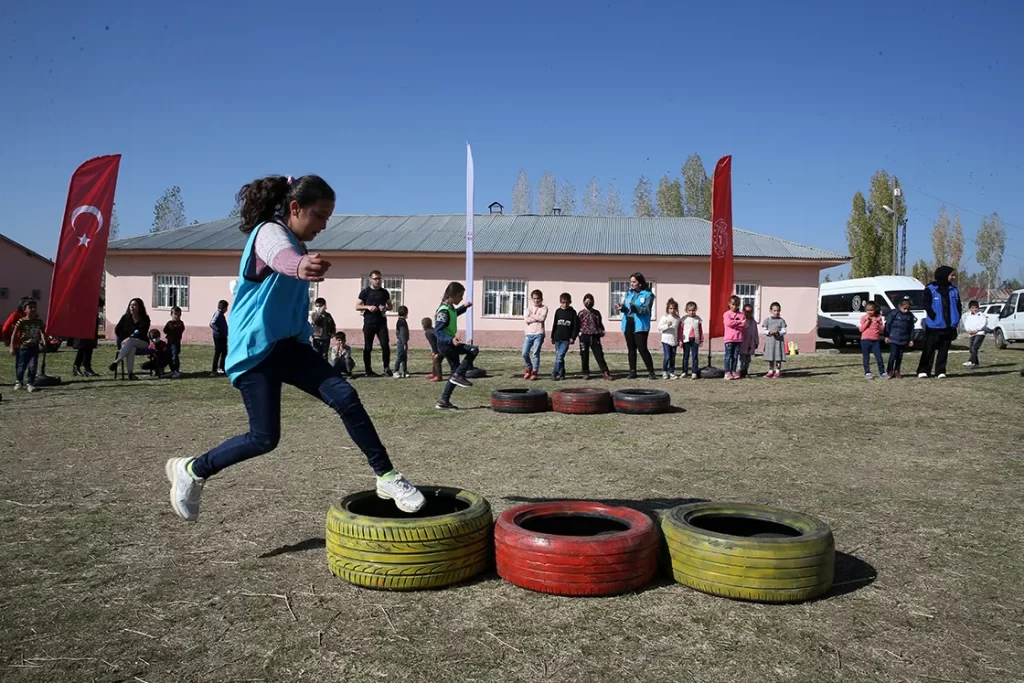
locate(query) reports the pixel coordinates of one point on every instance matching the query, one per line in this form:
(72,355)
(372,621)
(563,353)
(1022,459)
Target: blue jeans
(690,349)
(561,348)
(25,359)
(732,356)
(668,358)
(175,349)
(297,364)
(402,358)
(531,346)
(867,347)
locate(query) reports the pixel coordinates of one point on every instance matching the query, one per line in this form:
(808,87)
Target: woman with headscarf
(943,308)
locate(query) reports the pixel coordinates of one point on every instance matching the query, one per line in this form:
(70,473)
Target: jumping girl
(451,346)
(269,342)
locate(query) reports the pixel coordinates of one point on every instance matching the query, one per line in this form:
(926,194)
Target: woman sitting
(132,332)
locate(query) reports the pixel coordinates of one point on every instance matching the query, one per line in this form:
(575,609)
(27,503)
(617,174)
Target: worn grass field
(920,480)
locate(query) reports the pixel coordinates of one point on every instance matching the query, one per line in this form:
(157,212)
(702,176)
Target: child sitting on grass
(341,356)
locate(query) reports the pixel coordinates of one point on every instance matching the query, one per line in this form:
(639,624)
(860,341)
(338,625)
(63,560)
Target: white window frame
(176,285)
(505,289)
(395,284)
(616,297)
(746,297)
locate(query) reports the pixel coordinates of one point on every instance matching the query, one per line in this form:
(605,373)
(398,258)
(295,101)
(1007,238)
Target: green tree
(862,240)
(567,198)
(642,202)
(941,238)
(921,271)
(546,194)
(696,188)
(613,202)
(956,243)
(881,195)
(169,211)
(990,244)
(670,198)
(522,194)
(593,205)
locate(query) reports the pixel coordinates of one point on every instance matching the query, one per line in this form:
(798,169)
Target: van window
(916,297)
(882,304)
(1010,306)
(849,302)
(1020,304)
(995,309)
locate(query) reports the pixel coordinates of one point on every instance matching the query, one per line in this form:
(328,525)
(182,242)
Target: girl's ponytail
(268,198)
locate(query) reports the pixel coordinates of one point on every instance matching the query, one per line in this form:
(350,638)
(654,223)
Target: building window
(504,298)
(617,293)
(750,295)
(170,290)
(5,293)
(37,294)
(394,284)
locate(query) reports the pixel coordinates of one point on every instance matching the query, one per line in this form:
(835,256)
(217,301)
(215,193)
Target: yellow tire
(371,543)
(750,552)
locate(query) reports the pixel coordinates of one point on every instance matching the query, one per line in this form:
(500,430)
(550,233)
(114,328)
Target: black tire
(520,401)
(641,401)
(1000,338)
(475,373)
(585,401)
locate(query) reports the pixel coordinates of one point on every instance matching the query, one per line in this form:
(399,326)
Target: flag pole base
(711,372)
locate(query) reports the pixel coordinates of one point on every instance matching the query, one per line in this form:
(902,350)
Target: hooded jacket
(942,301)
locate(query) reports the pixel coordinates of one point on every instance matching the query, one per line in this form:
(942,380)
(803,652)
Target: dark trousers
(344,366)
(636,342)
(402,358)
(936,347)
(156,365)
(220,352)
(438,371)
(745,363)
(895,357)
(690,350)
(867,348)
(83,358)
(322,346)
(668,358)
(380,331)
(588,343)
(976,342)
(452,354)
(297,364)
(732,356)
(25,360)
(175,349)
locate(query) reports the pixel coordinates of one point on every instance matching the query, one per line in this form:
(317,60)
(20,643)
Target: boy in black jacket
(899,334)
(564,330)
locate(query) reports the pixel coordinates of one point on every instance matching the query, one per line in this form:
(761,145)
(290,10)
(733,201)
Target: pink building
(23,272)
(194,266)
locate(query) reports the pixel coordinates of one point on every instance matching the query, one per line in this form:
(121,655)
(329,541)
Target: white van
(842,303)
(1010,327)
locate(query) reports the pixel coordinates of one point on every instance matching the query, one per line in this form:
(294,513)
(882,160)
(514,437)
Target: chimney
(496,207)
(556,211)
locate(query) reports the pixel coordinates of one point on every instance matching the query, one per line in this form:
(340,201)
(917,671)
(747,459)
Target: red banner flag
(721,246)
(78,268)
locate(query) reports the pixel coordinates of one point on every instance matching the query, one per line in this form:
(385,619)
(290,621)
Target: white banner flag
(469,241)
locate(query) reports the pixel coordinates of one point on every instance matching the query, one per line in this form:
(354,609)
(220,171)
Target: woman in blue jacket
(636,310)
(943,307)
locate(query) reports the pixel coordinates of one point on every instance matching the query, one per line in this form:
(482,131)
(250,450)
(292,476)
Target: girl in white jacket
(669,326)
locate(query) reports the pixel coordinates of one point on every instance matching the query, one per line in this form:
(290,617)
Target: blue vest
(267,308)
(638,305)
(939,321)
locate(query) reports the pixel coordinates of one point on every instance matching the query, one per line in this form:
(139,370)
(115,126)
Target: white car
(992,309)
(1009,328)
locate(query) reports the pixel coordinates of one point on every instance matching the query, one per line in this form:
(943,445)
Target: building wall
(793,285)
(21,274)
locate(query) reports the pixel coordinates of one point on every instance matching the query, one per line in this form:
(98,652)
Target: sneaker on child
(186,488)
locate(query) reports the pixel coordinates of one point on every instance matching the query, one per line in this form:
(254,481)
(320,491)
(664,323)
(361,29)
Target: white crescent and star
(83,240)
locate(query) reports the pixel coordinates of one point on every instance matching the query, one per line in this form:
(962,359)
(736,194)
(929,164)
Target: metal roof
(496,234)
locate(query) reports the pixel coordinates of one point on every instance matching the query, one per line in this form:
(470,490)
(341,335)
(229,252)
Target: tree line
(870,234)
(686,195)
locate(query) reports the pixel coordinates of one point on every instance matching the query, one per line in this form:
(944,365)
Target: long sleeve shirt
(219,324)
(976,322)
(441,322)
(734,324)
(566,325)
(402,331)
(535,318)
(872,328)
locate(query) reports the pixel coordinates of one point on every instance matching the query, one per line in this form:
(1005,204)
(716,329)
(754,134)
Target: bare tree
(567,198)
(613,202)
(593,205)
(991,243)
(643,204)
(169,211)
(956,243)
(546,193)
(522,194)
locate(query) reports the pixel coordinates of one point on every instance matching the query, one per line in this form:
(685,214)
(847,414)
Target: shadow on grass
(805,373)
(301,546)
(852,574)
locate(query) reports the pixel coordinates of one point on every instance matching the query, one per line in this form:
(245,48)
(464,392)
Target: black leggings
(588,343)
(83,359)
(452,354)
(380,331)
(637,341)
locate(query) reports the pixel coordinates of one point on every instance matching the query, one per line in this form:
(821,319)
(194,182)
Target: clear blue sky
(810,98)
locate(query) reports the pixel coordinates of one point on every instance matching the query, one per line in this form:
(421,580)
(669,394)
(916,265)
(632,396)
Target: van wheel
(1000,339)
(838,338)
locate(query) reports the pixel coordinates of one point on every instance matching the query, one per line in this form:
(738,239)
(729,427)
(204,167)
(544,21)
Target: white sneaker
(868,375)
(397,375)
(175,375)
(665,375)
(186,490)
(674,376)
(941,376)
(968,364)
(18,385)
(406,496)
(30,387)
(922,375)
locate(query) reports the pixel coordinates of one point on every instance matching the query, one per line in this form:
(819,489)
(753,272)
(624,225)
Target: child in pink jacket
(735,323)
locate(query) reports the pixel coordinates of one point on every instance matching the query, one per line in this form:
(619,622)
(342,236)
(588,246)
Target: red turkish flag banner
(721,246)
(78,268)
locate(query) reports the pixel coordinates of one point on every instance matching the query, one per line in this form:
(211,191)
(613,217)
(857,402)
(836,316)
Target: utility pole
(896,193)
(903,249)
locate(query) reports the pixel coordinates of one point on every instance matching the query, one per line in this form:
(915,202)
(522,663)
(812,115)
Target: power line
(955,206)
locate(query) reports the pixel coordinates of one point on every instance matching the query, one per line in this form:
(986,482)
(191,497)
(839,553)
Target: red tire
(584,401)
(576,548)
(519,401)
(641,401)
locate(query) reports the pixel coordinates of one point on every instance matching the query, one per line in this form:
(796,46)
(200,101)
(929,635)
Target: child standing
(446,327)
(691,339)
(774,327)
(436,374)
(173,332)
(270,346)
(219,325)
(323,327)
(535,318)
(751,340)
(669,327)
(975,323)
(872,329)
(591,331)
(735,323)
(26,340)
(899,333)
(341,356)
(564,329)
(402,339)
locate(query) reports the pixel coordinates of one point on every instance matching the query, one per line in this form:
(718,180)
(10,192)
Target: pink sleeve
(274,248)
